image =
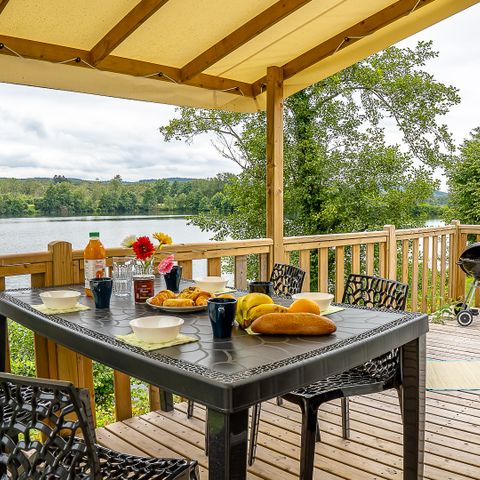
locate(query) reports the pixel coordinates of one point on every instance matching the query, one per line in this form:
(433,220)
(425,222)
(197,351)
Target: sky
(46,132)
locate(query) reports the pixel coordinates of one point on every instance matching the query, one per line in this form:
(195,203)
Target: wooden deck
(375,448)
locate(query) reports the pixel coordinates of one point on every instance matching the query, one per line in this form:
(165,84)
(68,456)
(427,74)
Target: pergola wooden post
(274,184)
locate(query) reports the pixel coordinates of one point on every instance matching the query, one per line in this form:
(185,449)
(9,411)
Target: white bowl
(211,284)
(59,299)
(323,300)
(156,328)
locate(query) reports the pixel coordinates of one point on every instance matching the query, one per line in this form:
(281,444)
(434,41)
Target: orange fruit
(304,305)
(225,295)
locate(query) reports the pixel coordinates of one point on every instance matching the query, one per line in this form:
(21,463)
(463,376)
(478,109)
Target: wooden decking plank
(287,443)
(112,441)
(177,441)
(374,451)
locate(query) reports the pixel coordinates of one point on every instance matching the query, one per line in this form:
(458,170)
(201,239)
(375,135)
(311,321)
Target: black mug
(222,314)
(102,291)
(261,287)
(172,279)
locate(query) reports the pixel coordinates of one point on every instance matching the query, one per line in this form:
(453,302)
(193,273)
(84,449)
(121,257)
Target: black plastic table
(229,376)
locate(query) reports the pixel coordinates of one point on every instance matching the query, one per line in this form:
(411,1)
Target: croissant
(178,302)
(190,292)
(161,296)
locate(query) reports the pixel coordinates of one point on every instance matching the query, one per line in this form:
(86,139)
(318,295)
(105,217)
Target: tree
(340,171)
(464,181)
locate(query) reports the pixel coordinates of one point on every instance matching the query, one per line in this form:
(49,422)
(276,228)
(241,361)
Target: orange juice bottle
(95,260)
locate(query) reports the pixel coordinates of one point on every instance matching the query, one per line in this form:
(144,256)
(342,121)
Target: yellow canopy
(201,53)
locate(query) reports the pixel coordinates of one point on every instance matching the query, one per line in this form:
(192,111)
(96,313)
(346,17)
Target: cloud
(90,137)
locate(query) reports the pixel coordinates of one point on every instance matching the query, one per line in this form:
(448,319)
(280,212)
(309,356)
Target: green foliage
(443,314)
(22,354)
(341,174)
(61,196)
(464,181)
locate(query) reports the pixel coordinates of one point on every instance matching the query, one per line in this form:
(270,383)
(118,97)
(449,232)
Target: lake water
(18,235)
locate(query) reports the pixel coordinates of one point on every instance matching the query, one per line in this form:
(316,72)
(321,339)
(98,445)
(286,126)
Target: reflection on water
(19,235)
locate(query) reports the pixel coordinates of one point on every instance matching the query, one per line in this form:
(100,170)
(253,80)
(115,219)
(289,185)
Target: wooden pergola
(237,55)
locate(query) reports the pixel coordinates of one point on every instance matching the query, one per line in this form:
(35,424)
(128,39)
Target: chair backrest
(39,423)
(375,292)
(287,279)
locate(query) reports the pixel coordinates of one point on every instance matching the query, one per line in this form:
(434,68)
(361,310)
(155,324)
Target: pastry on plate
(178,302)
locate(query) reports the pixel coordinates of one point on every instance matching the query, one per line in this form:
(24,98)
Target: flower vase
(172,279)
(140,268)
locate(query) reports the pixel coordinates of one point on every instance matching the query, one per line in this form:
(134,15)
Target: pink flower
(166,265)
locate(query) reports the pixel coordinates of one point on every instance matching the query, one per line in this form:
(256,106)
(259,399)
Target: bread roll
(293,324)
(201,301)
(178,302)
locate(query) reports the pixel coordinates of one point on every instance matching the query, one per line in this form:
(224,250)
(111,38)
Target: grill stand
(464,310)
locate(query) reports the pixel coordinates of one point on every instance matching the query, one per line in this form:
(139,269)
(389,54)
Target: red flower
(143,248)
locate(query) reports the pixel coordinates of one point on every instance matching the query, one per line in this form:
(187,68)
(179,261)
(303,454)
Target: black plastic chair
(39,423)
(377,375)
(287,279)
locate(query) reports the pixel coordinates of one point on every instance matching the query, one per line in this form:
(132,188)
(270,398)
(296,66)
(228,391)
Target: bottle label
(94,269)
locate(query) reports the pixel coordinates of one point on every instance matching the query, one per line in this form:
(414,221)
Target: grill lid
(469,260)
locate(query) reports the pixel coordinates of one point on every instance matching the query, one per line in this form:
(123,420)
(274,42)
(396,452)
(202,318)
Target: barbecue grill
(469,262)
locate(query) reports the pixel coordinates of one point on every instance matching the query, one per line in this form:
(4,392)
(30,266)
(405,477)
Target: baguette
(293,324)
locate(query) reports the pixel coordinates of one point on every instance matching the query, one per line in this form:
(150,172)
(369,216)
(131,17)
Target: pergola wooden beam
(346,38)
(241,35)
(3,4)
(125,27)
(81,58)
(274,185)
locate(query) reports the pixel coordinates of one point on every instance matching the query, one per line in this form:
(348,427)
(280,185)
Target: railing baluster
(241,272)
(214,266)
(415,258)
(355,258)
(370,259)
(305,266)
(187,269)
(451,266)
(434,272)
(264,274)
(323,269)
(443,268)
(339,272)
(405,253)
(425,271)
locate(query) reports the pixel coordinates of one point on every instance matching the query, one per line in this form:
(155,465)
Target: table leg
(166,401)
(227,445)
(413,377)
(3,343)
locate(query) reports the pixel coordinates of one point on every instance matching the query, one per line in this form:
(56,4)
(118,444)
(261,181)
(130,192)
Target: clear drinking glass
(122,271)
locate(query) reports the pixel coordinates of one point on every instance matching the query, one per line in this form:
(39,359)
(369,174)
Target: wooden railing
(424,258)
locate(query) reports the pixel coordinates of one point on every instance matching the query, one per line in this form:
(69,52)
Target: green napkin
(52,311)
(132,339)
(332,309)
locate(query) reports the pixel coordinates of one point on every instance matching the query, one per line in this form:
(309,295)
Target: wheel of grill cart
(464,318)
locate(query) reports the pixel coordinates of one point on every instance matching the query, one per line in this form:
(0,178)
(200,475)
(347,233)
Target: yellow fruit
(304,305)
(260,310)
(254,299)
(239,310)
(225,295)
